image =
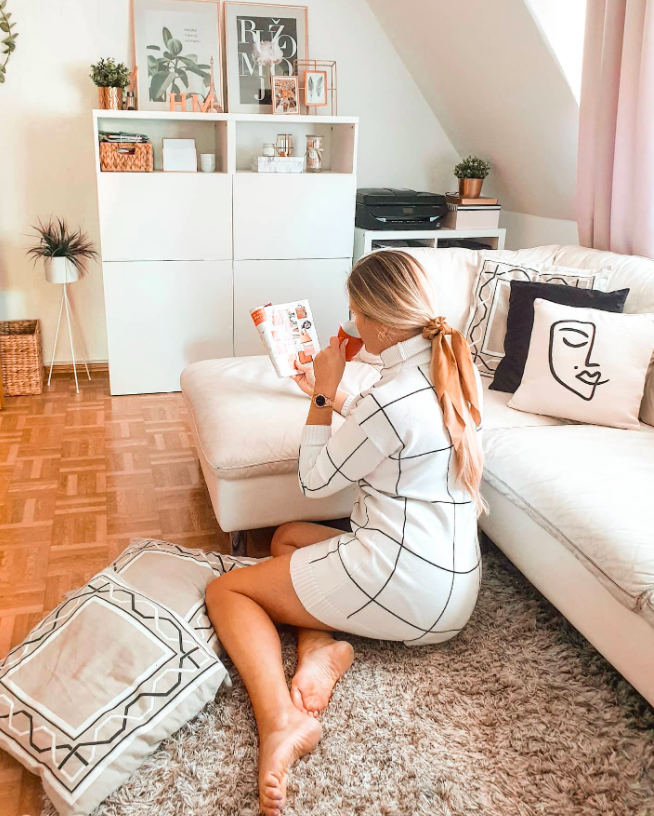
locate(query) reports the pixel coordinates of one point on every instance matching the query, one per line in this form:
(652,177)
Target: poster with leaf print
(175,42)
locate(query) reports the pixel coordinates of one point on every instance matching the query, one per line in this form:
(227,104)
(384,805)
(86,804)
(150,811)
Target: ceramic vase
(470,188)
(110,98)
(61,270)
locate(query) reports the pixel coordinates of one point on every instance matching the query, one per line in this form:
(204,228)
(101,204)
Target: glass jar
(314,154)
(268,150)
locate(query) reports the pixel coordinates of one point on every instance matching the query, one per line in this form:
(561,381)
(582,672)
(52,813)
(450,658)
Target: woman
(410,569)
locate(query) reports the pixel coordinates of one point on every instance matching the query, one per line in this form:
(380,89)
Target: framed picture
(177,50)
(315,91)
(285,94)
(261,41)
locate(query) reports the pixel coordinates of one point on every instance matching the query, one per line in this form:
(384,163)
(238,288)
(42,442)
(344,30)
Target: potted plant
(471,173)
(62,250)
(110,79)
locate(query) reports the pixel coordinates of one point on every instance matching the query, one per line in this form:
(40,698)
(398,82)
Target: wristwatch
(321,401)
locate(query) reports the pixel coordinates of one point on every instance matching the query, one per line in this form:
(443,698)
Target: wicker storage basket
(123,157)
(21,356)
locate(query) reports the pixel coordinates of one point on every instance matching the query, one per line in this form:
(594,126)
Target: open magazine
(288,334)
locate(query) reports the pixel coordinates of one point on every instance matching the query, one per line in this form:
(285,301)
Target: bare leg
(244,606)
(321,660)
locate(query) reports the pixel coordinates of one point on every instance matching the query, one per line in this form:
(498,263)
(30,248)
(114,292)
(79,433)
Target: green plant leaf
(153,48)
(3,4)
(187,61)
(175,47)
(183,76)
(4,26)
(167,36)
(198,72)
(152,64)
(192,57)
(175,89)
(168,55)
(205,67)
(2,78)
(160,82)
(207,81)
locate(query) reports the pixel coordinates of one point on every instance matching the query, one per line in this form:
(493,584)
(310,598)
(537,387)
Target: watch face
(320,401)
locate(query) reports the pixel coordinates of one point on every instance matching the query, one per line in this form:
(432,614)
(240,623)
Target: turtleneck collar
(414,351)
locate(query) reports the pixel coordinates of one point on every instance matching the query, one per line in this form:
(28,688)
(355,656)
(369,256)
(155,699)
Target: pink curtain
(615,169)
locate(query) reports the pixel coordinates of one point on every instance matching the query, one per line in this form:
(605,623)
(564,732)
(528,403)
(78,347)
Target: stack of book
(471,213)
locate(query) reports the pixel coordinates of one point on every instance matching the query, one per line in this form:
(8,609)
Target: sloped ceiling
(497,90)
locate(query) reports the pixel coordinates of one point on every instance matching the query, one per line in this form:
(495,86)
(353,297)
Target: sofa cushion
(591,488)
(247,420)
(497,415)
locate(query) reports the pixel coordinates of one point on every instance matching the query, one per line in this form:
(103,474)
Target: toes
(298,702)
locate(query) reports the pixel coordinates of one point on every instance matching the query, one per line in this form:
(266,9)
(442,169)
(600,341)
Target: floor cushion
(591,487)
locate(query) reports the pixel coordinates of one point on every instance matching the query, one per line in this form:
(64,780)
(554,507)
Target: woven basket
(21,356)
(123,157)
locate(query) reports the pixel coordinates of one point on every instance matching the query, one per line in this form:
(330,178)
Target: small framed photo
(285,94)
(315,91)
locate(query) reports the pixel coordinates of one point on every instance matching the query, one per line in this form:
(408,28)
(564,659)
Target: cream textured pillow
(486,327)
(586,365)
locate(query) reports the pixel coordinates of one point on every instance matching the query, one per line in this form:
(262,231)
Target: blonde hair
(392,288)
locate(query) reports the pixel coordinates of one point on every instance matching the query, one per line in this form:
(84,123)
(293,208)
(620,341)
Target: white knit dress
(411,568)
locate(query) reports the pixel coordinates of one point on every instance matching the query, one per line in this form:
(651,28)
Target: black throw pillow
(520,322)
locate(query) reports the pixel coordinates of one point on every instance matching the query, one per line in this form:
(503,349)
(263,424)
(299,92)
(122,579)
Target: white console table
(365,240)
(185,256)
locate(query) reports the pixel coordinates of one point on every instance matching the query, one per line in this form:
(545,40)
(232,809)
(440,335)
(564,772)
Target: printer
(385,208)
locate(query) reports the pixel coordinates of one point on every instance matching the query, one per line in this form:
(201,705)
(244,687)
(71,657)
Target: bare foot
(317,673)
(278,750)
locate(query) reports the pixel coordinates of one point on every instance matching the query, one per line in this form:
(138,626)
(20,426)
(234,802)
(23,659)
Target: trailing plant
(171,67)
(56,240)
(9,41)
(106,74)
(472,168)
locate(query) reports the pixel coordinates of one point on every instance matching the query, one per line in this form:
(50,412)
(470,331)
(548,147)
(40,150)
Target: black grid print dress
(411,568)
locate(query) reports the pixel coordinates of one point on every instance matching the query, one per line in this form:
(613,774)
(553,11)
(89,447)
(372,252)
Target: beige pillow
(586,365)
(647,406)
(95,688)
(486,327)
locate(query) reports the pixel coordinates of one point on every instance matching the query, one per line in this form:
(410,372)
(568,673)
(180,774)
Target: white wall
(524,230)
(46,150)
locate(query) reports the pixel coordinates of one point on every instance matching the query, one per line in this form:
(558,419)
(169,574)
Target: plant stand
(72,329)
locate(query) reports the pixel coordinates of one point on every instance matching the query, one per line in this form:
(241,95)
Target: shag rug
(518,715)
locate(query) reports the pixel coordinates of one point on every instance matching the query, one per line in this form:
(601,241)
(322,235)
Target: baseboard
(65,368)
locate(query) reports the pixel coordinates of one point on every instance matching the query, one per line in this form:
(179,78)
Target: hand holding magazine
(288,333)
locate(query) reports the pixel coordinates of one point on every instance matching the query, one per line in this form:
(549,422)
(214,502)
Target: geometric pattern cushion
(177,577)
(97,685)
(486,327)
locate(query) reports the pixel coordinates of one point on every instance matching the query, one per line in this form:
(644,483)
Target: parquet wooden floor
(80,475)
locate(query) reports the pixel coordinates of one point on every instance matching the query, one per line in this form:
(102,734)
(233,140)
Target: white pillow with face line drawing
(586,365)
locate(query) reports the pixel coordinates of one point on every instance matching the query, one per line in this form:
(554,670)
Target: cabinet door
(165,216)
(162,316)
(309,215)
(259,282)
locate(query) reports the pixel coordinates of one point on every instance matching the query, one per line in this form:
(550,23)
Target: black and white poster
(261,40)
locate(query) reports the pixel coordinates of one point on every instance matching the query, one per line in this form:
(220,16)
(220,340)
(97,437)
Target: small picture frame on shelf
(285,95)
(315,91)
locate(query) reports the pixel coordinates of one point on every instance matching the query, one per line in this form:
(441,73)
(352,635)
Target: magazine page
(288,333)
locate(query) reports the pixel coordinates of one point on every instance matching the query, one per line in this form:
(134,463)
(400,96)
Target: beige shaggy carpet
(518,715)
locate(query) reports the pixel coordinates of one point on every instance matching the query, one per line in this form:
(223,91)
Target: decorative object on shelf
(64,252)
(130,102)
(315,93)
(471,173)
(279,164)
(285,145)
(208,162)
(125,153)
(268,150)
(180,155)
(314,154)
(261,40)
(285,94)
(21,353)
(9,41)
(318,85)
(207,104)
(111,79)
(177,41)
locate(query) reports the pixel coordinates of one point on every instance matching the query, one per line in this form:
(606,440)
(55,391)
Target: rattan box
(21,355)
(126,157)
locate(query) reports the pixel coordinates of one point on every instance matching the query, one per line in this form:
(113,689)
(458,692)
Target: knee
(215,590)
(283,536)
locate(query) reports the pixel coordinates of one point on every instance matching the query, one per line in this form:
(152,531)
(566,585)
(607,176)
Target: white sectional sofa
(571,505)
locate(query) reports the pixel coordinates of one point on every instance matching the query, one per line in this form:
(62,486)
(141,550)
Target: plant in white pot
(63,251)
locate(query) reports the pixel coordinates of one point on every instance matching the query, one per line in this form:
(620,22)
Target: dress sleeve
(330,463)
